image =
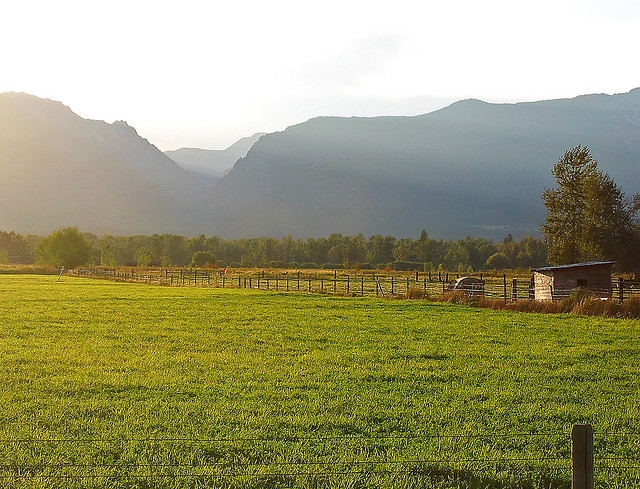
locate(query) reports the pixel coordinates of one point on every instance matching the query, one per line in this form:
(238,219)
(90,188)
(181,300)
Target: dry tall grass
(580,302)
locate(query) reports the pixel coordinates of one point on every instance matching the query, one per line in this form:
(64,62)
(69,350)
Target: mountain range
(472,168)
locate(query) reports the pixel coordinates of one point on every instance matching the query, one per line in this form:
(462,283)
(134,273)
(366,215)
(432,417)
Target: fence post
(621,288)
(504,285)
(582,456)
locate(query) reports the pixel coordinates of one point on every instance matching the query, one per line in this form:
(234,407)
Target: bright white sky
(205,73)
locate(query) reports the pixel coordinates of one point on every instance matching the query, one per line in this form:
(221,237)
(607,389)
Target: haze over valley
(472,168)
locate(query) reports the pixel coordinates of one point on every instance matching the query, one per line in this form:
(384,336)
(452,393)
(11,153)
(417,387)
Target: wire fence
(363,284)
(461,460)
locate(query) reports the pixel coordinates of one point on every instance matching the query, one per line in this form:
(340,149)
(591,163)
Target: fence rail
(364,284)
(492,459)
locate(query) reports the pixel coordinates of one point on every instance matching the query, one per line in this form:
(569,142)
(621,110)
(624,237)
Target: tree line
(69,247)
(588,218)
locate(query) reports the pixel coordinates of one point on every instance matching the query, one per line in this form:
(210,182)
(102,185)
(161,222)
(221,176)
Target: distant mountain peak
(211,164)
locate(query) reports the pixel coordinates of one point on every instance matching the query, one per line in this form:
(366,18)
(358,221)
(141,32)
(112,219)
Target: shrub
(309,266)
(66,247)
(203,259)
(630,308)
(497,261)
(417,293)
(143,257)
(575,299)
(459,297)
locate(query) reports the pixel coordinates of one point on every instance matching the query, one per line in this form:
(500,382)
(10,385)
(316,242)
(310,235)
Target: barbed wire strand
(267,439)
(281,463)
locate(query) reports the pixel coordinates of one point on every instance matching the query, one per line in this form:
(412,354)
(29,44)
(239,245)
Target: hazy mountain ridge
(468,168)
(211,164)
(61,169)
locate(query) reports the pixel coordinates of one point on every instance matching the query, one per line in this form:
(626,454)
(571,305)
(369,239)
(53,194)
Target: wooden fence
(363,284)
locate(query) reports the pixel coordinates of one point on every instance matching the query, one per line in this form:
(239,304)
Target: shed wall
(542,284)
(559,283)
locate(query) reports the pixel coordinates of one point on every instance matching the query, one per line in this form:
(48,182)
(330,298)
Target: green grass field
(131,385)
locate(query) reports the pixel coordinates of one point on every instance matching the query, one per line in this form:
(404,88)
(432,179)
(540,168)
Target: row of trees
(69,247)
(588,218)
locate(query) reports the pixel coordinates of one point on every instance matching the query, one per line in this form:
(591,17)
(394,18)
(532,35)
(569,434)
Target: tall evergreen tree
(588,216)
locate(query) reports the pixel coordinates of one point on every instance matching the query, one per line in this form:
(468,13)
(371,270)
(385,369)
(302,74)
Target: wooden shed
(554,283)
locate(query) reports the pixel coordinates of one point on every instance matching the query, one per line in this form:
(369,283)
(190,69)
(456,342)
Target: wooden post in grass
(514,289)
(504,283)
(621,289)
(582,456)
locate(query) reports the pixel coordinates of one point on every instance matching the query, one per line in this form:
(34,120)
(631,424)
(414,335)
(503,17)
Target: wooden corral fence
(372,283)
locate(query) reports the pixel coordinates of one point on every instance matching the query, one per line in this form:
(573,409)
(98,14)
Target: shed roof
(573,265)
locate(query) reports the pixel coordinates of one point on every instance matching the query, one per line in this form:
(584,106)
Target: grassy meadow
(130,385)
